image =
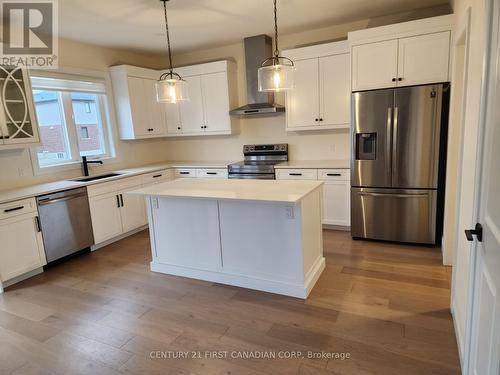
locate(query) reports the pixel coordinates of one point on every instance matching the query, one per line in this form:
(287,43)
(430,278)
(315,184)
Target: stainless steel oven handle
(390,195)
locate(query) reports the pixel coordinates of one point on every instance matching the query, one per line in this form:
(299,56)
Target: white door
(374,65)
(132,211)
(424,59)
(105,214)
(335,90)
(485,327)
(172,118)
(303,101)
(192,117)
(157,125)
(139,105)
(216,103)
(21,250)
(337,203)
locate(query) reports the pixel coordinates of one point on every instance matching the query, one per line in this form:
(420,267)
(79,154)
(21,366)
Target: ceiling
(138,24)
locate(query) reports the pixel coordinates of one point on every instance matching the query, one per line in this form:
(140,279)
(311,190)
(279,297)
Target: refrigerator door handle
(395,144)
(409,195)
(388,142)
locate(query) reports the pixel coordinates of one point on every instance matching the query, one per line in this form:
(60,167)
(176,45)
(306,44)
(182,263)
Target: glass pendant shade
(276,78)
(171,90)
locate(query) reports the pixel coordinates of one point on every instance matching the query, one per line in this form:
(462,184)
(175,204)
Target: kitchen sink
(93,178)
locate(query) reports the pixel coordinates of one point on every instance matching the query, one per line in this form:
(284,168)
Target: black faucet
(85,164)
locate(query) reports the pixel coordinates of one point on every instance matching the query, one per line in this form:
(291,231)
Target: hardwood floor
(385,305)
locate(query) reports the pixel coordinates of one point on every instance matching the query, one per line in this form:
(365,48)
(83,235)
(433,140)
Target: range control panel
(266,149)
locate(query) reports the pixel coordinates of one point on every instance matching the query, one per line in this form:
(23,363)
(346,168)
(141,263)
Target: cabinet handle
(13,209)
(295,174)
(400,79)
(117,201)
(178,128)
(37,224)
(394,80)
(320,119)
(121,200)
(316,119)
(184,172)
(334,174)
(212,173)
(157,175)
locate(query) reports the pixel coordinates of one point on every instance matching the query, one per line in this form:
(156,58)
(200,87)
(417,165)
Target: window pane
(53,135)
(88,123)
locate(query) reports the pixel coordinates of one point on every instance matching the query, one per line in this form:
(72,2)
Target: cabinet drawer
(297,174)
(16,208)
(185,172)
(113,186)
(156,177)
(211,173)
(334,174)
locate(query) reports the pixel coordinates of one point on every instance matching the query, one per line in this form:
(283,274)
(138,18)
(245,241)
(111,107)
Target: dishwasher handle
(42,202)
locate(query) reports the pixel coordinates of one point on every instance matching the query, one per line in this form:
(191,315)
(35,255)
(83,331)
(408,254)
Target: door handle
(395,144)
(121,200)
(117,201)
(37,224)
(477,231)
(13,209)
(390,195)
(388,142)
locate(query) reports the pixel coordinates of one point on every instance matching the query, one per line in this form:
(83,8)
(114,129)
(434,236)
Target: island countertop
(257,190)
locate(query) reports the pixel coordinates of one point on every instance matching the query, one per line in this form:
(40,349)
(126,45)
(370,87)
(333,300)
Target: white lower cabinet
(113,211)
(336,191)
(21,249)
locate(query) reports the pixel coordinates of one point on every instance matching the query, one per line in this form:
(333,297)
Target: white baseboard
(19,278)
(265,285)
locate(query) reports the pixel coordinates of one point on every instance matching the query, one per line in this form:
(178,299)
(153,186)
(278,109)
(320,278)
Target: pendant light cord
(168,36)
(276,51)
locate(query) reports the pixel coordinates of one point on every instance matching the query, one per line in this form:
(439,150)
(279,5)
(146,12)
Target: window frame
(105,111)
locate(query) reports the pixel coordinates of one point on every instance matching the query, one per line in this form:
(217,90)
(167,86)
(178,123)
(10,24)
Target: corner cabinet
(212,92)
(406,54)
(321,96)
(18,123)
(139,114)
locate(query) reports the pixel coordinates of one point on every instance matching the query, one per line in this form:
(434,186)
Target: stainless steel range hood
(257,49)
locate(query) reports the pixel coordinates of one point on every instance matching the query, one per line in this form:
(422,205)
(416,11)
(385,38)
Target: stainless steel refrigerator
(398,163)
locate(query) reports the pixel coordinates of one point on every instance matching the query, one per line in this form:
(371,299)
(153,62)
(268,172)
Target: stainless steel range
(259,161)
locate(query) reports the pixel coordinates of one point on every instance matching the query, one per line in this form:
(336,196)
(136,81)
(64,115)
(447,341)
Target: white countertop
(315,164)
(51,187)
(254,190)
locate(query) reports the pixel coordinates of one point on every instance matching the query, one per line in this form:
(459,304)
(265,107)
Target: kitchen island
(263,235)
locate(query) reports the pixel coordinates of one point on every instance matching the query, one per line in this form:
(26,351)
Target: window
(73,120)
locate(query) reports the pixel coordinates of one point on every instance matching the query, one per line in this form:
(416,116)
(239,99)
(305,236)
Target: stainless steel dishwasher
(65,222)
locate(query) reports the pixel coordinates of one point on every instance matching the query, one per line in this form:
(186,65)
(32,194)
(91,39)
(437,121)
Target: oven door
(251,176)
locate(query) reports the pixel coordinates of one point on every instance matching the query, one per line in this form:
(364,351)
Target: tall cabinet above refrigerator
(398,163)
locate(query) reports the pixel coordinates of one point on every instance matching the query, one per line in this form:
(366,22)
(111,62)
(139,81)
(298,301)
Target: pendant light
(276,73)
(170,87)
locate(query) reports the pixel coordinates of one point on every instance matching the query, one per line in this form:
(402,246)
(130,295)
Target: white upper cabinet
(335,90)
(303,101)
(404,54)
(192,116)
(321,96)
(18,122)
(211,89)
(424,59)
(138,112)
(216,104)
(375,65)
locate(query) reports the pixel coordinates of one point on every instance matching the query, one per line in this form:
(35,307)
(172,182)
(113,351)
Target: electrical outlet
(290,214)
